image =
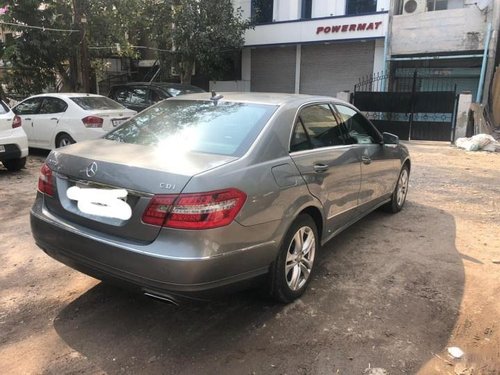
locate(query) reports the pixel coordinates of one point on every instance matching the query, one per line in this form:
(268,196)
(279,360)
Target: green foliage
(36,55)
(206,32)
(186,31)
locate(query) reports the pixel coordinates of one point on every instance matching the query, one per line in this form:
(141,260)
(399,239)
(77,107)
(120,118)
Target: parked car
(13,140)
(199,194)
(57,120)
(141,95)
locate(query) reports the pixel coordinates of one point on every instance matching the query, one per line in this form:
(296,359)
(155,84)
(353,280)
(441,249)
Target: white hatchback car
(13,140)
(57,120)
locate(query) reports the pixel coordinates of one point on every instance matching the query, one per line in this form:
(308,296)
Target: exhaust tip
(162,297)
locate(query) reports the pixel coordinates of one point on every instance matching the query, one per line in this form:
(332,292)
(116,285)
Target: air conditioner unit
(414,6)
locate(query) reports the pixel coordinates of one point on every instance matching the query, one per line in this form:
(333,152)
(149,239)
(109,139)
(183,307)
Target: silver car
(205,193)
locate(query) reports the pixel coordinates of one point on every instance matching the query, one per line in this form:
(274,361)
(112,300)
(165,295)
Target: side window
(157,96)
(138,95)
(358,129)
(121,94)
(53,105)
(3,108)
(300,139)
(28,107)
(319,126)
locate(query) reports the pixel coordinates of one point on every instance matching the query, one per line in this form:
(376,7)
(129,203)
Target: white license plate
(101,202)
(118,122)
(2,148)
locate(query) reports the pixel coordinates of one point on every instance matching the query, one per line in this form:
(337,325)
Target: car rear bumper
(15,143)
(141,265)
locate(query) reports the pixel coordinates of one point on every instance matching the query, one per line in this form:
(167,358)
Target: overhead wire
(43,28)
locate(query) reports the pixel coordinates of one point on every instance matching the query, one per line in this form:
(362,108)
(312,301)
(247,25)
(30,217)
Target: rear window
(176,91)
(225,128)
(3,108)
(96,102)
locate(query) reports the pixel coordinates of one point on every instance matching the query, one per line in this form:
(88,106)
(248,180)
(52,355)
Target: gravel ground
(390,295)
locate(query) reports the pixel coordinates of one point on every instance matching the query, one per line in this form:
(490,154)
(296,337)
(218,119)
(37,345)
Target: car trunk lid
(142,171)
(112,118)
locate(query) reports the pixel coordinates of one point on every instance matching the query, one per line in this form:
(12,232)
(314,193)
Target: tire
(398,197)
(63,140)
(292,270)
(14,165)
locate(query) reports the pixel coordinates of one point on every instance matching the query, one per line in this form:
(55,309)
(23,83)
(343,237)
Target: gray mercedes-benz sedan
(204,193)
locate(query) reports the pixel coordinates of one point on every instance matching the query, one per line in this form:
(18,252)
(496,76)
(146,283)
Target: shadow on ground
(386,294)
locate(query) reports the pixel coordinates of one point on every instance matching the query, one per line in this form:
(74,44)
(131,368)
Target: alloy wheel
(300,258)
(402,187)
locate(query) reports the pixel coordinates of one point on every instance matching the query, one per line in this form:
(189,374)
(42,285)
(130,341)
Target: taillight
(92,122)
(158,208)
(45,184)
(16,122)
(195,211)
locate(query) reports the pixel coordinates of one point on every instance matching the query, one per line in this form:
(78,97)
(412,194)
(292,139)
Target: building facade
(312,46)
(327,46)
(444,40)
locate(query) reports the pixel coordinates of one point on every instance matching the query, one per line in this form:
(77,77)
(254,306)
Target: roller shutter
(329,69)
(273,69)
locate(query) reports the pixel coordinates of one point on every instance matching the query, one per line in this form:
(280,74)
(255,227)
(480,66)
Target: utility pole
(82,60)
(84,53)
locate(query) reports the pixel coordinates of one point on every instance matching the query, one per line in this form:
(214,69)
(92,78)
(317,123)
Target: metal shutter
(329,69)
(273,69)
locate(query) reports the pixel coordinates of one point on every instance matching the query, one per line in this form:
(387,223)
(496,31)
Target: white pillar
(462,117)
(298,58)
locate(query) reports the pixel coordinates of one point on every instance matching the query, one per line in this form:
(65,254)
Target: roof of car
(64,95)
(259,97)
(157,84)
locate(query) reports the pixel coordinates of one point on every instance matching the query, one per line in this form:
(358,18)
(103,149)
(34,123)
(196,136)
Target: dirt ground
(390,295)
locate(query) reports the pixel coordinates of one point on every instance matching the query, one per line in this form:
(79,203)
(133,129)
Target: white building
(312,46)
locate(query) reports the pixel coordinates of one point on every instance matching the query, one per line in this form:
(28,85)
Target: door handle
(320,168)
(366,159)
(54,118)
(28,119)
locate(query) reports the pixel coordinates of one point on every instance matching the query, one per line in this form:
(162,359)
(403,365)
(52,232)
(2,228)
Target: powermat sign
(348,27)
(319,30)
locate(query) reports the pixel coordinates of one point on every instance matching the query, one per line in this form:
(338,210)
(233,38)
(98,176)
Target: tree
(37,55)
(184,31)
(205,32)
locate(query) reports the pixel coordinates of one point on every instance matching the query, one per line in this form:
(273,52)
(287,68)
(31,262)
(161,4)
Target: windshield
(96,102)
(225,128)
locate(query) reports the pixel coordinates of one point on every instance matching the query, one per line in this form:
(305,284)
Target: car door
(46,121)
(379,163)
(27,110)
(330,167)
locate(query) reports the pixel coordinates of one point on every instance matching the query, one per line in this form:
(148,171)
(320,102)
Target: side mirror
(390,139)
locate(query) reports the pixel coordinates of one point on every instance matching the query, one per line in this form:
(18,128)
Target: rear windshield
(175,91)
(3,108)
(96,102)
(225,128)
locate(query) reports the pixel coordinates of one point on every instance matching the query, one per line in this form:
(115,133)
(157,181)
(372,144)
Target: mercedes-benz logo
(91,169)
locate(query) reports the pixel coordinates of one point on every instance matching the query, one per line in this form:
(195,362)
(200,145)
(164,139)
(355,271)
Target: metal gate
(411,104)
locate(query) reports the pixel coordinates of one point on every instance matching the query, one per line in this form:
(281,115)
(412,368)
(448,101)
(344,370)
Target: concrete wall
(328,8)
(286,10)
(495,98)
(449,30)
(245,5)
